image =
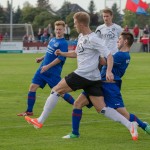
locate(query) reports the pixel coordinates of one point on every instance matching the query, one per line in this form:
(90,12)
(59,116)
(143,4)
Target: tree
(131,18)
(44,4)
(7,12)
(116,14)
(65,10)
(91,7)
(93,16)
(17,15)
(2,15)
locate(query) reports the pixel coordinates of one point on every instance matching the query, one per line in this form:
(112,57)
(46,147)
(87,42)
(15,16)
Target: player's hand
(44,68)
(58,52)
(109,76)
(38,60)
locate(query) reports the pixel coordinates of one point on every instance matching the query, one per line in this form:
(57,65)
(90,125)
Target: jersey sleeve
(64,48)
(99,45)
(118,59)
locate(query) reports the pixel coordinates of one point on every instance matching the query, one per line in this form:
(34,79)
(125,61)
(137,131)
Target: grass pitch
(97,132)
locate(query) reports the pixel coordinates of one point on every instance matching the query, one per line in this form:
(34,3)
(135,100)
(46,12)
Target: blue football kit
(111,91)
(53,75)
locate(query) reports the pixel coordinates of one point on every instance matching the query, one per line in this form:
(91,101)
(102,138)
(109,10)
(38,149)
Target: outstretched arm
(53,63)
(109,74)
(70,54)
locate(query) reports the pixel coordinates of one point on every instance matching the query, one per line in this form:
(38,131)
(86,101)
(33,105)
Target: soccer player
(109,31)
(111,90)
(50,70)
(86,76)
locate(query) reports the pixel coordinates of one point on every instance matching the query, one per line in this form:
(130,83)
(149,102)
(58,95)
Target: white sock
(48,107)
(114,115)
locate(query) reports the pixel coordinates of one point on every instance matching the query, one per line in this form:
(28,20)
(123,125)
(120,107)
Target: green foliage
(43,19)
(116,14)
(65,10)
(97,132)
(2,15)
(131,18)
(91,8)
(44,4)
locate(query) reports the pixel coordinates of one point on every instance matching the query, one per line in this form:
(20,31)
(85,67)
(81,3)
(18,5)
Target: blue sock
(140,123)
(68,98)
(76,117)
(31,101)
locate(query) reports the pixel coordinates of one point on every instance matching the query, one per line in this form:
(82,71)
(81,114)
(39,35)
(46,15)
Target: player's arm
(38,60)
(53,63)
(109,74)
(70,54)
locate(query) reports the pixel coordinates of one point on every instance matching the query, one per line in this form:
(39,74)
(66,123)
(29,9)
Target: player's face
(121,42)
(77,26)
(107,18)
(59,31)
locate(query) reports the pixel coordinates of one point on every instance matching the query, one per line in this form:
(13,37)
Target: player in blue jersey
(111,90)
(50,69)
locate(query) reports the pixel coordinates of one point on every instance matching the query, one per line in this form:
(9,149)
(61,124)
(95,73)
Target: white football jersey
(110,35)
(89,48)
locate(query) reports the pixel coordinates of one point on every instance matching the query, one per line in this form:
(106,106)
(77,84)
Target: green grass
(97,132)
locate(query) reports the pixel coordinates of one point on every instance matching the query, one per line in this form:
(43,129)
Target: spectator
(30,38)
(39,34)
(126,29)
(1,37)
(50,30)
(44,37)
(25,38)
(145,42)
(67,32)
(146,30)
(136,32)
(6,36)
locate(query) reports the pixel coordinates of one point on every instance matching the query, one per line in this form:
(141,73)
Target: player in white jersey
(109,31)
(86,76)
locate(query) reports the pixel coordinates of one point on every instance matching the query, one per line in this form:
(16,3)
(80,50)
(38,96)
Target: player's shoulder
(100,27)
(117,26)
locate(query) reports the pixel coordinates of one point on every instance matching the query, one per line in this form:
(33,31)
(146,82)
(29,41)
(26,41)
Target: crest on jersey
(56,44)
(113,29)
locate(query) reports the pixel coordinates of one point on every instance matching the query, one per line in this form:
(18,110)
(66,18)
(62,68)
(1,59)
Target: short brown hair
(60,22)
(129,37)
(82,17)
(108,11)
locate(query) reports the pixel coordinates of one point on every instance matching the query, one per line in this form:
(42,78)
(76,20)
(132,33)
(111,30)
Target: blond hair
(108,11)
(60,22)
(82,17)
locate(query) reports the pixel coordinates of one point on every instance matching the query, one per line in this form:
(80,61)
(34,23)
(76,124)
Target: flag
(137,6)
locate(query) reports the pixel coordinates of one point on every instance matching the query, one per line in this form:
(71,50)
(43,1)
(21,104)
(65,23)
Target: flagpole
(11,20)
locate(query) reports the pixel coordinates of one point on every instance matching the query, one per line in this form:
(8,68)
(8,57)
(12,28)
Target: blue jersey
(121,62)
(50,56)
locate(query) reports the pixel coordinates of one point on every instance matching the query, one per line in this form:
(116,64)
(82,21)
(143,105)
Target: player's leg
(68,98)
(37,82)
(131,117)
(114,115)
(61,88)
(52,81)
(76,116)
(30,100)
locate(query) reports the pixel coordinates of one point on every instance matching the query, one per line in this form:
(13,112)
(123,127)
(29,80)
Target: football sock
(76,117)
(68,98)
(48,107)
(140,123)
(31,101)
(114,115)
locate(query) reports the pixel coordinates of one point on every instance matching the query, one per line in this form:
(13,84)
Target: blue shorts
(112,95)
(46,78)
